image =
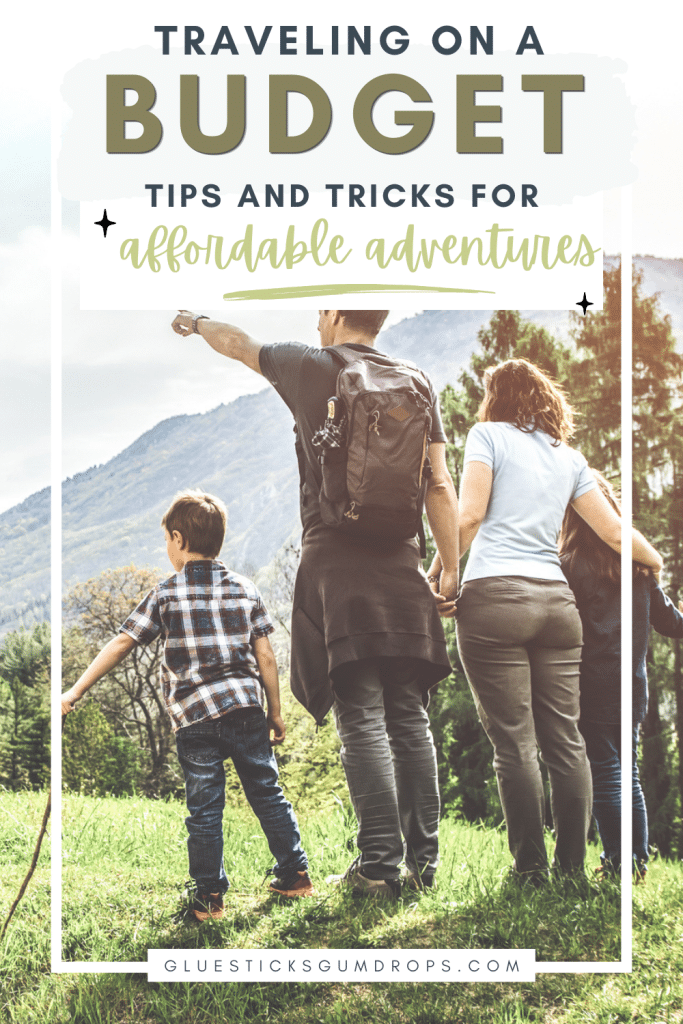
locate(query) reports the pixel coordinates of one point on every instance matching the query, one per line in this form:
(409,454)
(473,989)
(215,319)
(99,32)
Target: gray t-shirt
(534,479)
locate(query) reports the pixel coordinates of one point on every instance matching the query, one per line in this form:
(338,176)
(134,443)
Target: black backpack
(373,447)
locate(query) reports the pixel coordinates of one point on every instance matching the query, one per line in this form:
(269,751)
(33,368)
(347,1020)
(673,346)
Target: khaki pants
(520,645)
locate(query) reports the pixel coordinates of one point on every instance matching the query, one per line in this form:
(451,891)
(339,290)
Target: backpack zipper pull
(350,514)
(375,422)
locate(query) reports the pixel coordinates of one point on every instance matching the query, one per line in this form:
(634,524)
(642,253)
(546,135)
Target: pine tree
(25,708)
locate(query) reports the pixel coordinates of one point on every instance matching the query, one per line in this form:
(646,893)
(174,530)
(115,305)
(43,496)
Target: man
(366,635)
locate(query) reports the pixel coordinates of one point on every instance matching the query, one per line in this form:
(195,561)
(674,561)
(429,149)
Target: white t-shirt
(534,480)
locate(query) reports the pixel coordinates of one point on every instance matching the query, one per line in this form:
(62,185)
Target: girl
(593,571)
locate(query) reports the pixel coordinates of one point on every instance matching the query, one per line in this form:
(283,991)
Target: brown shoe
(359,885)
(606,872)
(298,884)
(206,906)
(412,879)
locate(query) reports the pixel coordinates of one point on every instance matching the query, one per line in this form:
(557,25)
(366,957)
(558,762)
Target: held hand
(183,323)
(277,726)
(446,593)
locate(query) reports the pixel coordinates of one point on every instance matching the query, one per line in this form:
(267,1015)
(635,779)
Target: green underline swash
(312,290)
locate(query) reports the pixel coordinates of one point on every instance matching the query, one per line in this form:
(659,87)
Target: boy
(217,658)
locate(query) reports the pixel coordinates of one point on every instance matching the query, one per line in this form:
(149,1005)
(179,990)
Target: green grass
(125,857)
(130,854)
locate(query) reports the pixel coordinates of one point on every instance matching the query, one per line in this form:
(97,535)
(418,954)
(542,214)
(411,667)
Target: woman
(593,572)
(519,631)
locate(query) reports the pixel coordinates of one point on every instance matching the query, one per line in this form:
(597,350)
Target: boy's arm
(108,658)
(224,338)
(267,666)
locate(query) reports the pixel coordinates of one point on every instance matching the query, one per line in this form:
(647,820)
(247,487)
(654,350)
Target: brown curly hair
(519,392)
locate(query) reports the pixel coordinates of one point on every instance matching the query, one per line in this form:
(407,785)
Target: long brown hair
(519,392)
(578,538)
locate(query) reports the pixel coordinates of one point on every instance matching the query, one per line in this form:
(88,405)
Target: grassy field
(132,853)
(124,861)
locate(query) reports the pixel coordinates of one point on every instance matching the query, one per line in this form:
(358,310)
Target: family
(537,614)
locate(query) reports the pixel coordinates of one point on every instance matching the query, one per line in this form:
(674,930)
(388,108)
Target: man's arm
(224,338)
(267,666)
(109,657)
(441,506)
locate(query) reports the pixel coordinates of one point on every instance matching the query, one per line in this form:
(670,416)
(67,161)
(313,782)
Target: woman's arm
(475,493)
(601,517)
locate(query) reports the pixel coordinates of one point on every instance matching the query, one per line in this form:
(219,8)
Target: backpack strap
(422,539)
(347,355)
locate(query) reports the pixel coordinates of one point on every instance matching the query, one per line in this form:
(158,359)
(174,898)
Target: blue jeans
(202,749)
(603,746)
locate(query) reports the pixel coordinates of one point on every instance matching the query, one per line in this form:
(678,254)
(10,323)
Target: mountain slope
(243,452)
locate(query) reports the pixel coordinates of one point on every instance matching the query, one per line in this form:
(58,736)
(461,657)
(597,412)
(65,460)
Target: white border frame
(59,966)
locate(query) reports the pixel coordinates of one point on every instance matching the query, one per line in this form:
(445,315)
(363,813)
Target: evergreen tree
(657,495)
(594,381)
(658,512)
(25,708)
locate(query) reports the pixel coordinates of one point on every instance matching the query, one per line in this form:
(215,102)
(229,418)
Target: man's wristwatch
(195,318)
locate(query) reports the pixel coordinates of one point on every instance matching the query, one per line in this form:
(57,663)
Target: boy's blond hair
(201,520)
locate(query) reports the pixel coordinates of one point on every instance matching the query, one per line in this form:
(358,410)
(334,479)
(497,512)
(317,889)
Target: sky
(125,371)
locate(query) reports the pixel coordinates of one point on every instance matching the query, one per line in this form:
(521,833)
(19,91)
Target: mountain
(243,452)
(25,562)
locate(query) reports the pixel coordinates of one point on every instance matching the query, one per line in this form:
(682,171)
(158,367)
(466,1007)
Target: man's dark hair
(369,321)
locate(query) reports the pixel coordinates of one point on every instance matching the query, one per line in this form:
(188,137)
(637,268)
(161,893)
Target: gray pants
(390,764)
(520,645)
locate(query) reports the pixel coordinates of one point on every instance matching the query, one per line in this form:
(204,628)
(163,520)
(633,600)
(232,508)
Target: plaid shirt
(208,617)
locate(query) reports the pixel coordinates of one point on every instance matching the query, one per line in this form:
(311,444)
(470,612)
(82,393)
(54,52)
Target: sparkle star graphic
(584,301)
(106,223)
